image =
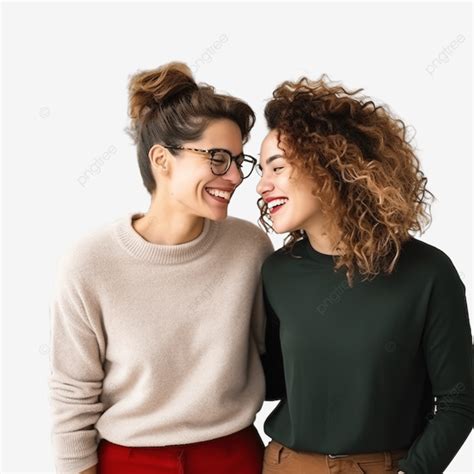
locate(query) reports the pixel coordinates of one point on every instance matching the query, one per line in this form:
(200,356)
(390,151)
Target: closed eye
(276,169)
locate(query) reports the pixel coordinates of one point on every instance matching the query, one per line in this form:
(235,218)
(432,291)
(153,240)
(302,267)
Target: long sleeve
(447,346)
(272,359)
(76,373)
(258,320)
(258,309)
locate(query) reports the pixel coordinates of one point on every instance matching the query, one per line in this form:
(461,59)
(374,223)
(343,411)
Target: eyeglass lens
(220,163)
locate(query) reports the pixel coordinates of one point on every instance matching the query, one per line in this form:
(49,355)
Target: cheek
(189,184)
(312,206)
(305,203)
(286,184)
(182,187)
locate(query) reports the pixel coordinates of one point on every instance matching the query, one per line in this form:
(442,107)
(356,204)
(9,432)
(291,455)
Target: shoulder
(427,254)
(430,260)
(246,233)
(87,252)
(243,228)
(282,257)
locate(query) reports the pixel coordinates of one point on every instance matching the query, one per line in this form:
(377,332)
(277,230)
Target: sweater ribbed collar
(137,246)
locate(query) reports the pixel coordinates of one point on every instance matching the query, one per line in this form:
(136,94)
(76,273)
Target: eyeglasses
(221,160)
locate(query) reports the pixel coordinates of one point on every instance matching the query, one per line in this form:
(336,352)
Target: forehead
(269,148)
(222,133)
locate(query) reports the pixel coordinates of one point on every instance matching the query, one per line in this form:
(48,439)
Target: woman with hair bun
(157,318)
(368,336)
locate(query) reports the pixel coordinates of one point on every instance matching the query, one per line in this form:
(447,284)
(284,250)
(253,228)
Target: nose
(264,185)
(233,173)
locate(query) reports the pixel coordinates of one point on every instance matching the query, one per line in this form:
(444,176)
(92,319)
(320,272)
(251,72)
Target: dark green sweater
(357,369)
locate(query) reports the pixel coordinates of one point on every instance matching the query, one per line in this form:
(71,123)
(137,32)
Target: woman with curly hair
(366,324)
(157,318)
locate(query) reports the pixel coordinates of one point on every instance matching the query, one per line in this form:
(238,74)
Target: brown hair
(168,107)
(366,174)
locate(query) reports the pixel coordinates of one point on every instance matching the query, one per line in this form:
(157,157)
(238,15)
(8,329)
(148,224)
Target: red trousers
(237,453)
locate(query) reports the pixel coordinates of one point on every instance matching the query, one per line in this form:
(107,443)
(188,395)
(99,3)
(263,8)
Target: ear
(159,160)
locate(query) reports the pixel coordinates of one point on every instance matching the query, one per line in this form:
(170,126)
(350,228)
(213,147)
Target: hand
(90,470)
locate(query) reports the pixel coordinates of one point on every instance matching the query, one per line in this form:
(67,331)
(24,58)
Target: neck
(323,236)
(164,225)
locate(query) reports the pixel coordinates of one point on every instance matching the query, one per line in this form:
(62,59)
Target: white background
(65,69)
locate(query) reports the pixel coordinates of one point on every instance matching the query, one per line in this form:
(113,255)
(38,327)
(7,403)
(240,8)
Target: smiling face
(286,191)
(188,179)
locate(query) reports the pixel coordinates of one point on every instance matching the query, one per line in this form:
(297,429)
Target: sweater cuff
(76,451)
(402,465)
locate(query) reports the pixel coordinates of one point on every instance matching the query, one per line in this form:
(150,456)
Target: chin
(284,227)
(279,228)
(217,216)
(223,217)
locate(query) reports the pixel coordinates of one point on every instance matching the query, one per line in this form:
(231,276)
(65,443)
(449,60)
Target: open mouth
(219,195)
(275,205)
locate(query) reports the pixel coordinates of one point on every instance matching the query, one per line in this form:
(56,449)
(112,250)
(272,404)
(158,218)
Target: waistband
(388,457)
(250,430)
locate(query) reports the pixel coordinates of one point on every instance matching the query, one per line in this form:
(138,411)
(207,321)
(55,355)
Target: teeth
(276,202)
(219,193)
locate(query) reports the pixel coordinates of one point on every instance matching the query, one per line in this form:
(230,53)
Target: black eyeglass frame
(213,151)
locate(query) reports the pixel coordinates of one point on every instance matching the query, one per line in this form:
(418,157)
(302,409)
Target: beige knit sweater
(153,345)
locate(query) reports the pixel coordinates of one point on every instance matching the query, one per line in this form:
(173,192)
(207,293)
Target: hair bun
(151,88)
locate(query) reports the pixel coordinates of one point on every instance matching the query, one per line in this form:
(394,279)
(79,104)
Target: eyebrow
(272,158)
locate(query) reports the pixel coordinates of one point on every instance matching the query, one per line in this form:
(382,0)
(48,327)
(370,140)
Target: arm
(76,374)
(258,310)
(258,320)
(272,359)
(446,345)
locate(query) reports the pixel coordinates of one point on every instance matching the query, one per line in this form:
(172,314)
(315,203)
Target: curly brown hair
(366,174)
